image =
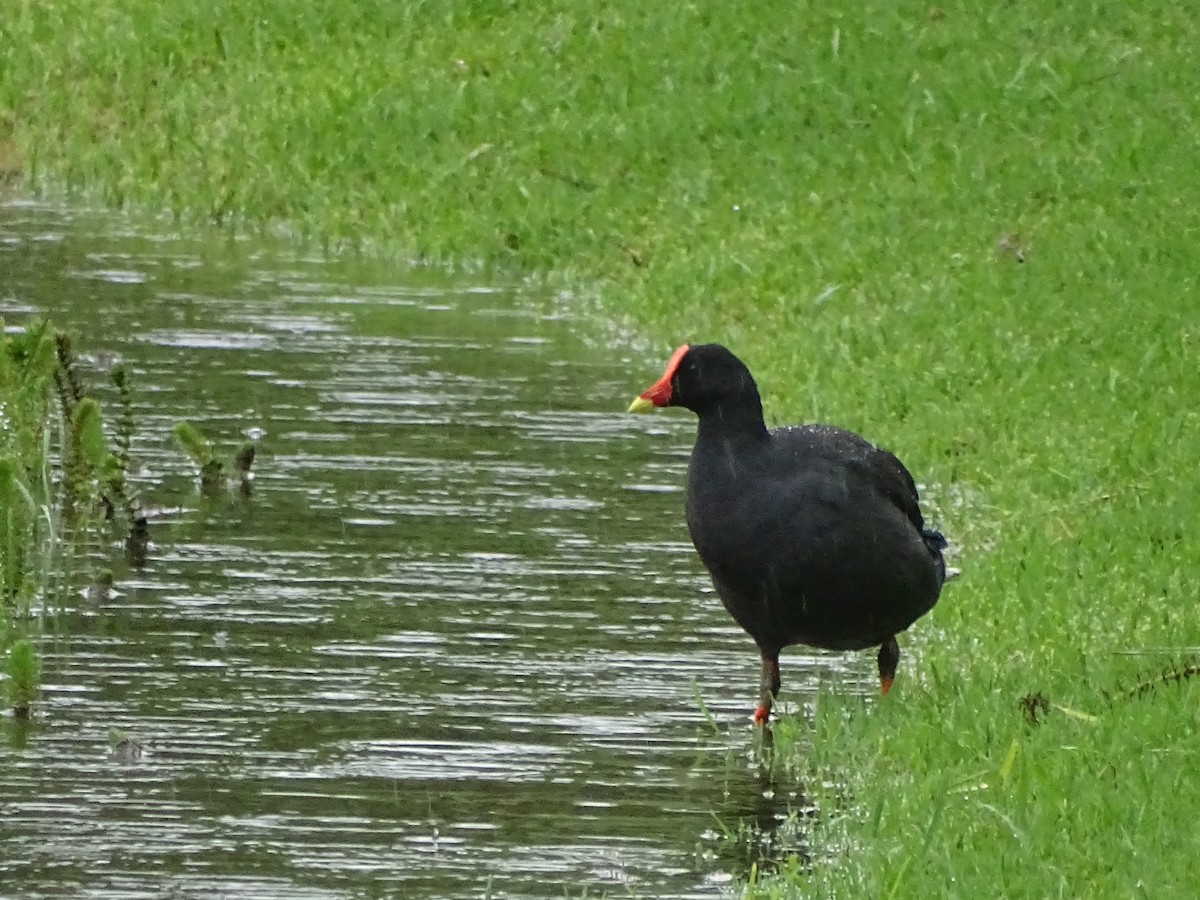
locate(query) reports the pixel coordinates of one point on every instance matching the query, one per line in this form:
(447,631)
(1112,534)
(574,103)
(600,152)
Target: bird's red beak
(659,393)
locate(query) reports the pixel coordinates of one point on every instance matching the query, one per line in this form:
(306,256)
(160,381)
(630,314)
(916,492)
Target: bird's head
(701,378)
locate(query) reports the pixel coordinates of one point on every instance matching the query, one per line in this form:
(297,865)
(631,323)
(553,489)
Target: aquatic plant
(124,749)
(22,672)
(29,520)
(214,469)
(63,491)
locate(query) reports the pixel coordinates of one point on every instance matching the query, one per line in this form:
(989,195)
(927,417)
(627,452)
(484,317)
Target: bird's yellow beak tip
(640,405)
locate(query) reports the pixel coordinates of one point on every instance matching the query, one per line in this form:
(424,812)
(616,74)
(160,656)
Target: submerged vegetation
(968,233)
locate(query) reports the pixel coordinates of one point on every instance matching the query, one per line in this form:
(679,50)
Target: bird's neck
(738,423)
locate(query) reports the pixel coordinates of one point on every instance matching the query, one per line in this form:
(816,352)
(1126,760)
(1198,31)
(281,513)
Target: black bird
(812,534)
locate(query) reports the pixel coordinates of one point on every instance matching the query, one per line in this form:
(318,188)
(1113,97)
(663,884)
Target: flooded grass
(965,233)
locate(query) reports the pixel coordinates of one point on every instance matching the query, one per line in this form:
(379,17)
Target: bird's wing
(896,483)
(881,468)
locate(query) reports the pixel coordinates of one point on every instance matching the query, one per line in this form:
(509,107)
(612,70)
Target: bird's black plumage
(812,534)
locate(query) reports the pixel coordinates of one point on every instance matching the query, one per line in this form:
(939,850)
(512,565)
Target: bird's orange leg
(889,659)
(768,687)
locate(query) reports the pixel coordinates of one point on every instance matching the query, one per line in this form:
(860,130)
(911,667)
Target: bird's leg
(768,687)
(889,658)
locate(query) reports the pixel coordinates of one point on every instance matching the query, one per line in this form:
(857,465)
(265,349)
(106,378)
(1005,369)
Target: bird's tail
(936,542)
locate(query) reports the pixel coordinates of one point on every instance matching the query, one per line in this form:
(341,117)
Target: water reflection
(450,646)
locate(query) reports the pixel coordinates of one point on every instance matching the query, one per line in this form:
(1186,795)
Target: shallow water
(449,647)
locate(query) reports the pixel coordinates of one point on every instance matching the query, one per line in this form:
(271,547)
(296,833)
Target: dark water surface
(448,648)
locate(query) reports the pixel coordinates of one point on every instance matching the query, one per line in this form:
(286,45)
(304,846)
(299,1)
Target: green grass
(830,189)
(953,791)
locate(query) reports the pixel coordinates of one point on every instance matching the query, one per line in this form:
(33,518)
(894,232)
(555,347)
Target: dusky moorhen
(812,534)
